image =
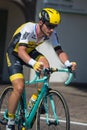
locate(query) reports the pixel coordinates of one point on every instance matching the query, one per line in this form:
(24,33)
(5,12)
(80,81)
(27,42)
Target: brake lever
(71,71)
(45,72)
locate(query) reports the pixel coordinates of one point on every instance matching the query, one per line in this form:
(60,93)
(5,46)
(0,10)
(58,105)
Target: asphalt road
(76,97)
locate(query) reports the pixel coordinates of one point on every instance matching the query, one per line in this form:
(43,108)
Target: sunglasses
(51,26)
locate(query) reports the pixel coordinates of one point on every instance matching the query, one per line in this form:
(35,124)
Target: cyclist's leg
(17,80)
(44,61)
(18,86)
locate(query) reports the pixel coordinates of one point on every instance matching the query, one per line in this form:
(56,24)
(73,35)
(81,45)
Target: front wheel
(56,113)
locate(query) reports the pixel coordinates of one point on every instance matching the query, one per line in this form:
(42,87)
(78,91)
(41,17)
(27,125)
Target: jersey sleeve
(26,33)
(55,41)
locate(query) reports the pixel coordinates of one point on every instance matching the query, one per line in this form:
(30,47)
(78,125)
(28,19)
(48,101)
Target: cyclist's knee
(44,61)
(18,86)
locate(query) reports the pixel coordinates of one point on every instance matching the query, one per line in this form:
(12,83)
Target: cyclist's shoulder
(26,27)
(54,33)
(29,24)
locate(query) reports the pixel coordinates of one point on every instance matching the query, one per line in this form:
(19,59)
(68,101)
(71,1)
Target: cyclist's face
(47,29)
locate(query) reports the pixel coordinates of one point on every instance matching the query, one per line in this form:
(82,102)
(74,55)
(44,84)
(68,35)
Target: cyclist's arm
(22,51)
(61,54)
(65,60)
(23,54)
(26,34)
(37,66)
(58,49)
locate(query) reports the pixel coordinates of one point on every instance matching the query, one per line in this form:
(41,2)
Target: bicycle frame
(29,117)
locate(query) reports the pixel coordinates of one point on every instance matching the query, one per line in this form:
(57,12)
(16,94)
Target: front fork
(54,119)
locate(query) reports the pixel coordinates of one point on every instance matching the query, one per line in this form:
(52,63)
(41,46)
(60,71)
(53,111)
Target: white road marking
(78,123)
(71,122)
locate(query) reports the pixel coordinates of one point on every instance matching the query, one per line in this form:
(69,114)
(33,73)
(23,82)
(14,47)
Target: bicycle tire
(3,105)
(62,113)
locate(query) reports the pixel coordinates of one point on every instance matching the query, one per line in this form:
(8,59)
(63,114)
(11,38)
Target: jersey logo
(25,36)
(32,44)
(34,37)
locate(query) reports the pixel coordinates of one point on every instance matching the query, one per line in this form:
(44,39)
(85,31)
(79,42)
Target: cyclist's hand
(71,65)
(74,66)
(38,66)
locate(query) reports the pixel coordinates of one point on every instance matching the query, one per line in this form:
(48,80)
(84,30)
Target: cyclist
(22,51)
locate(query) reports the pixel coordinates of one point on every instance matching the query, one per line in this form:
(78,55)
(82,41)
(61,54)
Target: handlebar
(47,72)
(67,70)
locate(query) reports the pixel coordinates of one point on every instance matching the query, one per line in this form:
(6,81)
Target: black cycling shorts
(15,64)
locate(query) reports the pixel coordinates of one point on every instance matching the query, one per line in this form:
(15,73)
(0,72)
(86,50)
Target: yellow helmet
(50,15)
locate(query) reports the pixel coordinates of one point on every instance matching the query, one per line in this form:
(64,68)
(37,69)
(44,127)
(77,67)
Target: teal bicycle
(56,113)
